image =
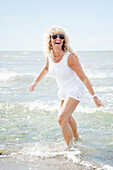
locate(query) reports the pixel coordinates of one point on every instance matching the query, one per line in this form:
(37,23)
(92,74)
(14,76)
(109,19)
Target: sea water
(29,130)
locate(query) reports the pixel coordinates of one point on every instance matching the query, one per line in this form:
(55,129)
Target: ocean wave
(40,105)
(12,56)
(91,110)
(53,106)
(99,75)
(6,76)
(104,89)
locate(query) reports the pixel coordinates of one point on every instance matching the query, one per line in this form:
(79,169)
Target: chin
(58,47)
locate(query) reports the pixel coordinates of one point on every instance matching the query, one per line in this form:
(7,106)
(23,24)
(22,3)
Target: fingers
(31,88)
(102,105)
(98,102)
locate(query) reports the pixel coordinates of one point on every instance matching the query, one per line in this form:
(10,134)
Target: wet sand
(42,164)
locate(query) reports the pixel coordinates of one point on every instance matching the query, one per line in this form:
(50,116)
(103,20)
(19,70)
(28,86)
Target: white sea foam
(48,151)
(106,167)
(55,107)
(5,76)
(40,151)
(85,109)
(104,89)
(99,75)
(43,151)
(25,52)
(40,105)
(5,56)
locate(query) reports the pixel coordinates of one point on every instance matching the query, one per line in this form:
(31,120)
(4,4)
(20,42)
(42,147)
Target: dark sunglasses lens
(54,36)
(61,36)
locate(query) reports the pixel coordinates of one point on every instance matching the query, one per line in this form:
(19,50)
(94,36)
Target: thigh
(61,103)
(68,107)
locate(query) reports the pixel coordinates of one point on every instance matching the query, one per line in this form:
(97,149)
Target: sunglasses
(54,36)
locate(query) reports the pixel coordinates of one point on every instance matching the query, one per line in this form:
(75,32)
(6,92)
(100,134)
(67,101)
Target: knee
(61,119)
(70,119)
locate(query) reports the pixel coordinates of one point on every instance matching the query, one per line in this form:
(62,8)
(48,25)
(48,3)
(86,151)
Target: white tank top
(66,78)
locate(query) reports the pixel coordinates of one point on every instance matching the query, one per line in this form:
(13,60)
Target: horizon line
(42,50)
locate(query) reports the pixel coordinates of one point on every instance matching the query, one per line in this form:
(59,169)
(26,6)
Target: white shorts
(73,93)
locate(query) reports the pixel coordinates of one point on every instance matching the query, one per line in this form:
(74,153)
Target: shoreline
(54,163)
(40,164)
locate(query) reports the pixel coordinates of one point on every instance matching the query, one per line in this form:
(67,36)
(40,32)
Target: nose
(57,37)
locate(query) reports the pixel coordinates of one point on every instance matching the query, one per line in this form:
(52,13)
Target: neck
(57,56)
(57,53)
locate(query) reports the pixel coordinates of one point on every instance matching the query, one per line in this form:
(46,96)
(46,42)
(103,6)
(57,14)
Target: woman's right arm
(42,73)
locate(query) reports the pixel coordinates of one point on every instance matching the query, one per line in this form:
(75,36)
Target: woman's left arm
(74,64)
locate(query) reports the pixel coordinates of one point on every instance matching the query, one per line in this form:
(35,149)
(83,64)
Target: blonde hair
(65,46)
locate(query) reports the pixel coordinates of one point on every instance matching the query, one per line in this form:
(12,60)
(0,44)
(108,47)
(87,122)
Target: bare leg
(67,109)
(72,123)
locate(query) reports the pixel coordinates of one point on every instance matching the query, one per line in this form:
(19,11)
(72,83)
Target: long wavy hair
(66,44)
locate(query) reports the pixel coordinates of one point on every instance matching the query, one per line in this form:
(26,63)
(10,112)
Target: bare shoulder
(72,60)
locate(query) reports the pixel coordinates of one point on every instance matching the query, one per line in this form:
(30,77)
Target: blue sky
(89,23)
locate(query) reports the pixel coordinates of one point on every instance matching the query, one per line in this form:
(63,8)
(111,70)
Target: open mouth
(57,42)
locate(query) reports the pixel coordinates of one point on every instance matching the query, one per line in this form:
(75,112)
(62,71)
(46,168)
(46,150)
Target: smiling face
(56,41)
(51,44)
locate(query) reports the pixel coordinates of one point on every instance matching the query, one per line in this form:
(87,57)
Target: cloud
(101,39)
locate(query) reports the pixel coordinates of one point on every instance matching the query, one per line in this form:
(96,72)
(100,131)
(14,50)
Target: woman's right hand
(31,87)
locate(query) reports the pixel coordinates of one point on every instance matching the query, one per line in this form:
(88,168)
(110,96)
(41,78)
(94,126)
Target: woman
(62,62)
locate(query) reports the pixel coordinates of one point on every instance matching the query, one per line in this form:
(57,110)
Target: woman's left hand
(98,102)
